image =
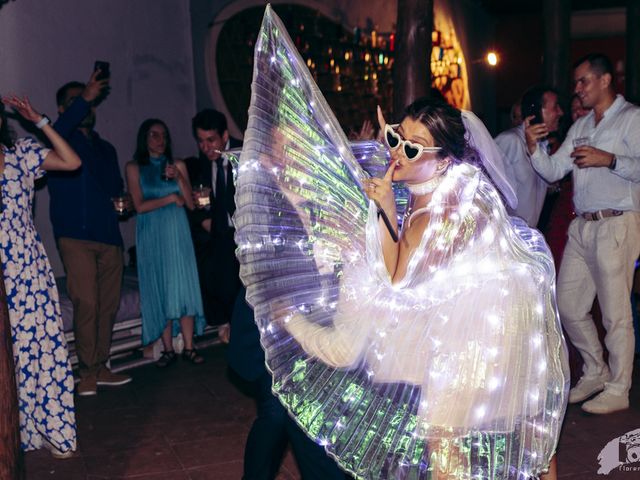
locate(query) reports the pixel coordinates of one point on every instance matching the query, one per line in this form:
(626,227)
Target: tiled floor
(189,423)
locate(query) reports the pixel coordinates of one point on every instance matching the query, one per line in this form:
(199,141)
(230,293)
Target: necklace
(425,187)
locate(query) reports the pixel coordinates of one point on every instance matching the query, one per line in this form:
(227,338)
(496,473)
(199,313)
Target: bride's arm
(338,346)
(381,192)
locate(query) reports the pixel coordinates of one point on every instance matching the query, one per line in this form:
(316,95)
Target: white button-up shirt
(599,188)
(530,187)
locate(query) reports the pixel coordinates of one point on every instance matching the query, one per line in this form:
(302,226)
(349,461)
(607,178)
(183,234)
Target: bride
(436,356)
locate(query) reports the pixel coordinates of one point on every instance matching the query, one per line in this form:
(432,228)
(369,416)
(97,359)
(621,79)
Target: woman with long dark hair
(44,376)
(169,289)
(426,348)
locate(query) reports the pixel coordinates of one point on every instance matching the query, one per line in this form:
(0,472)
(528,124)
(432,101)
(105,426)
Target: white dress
(460,367)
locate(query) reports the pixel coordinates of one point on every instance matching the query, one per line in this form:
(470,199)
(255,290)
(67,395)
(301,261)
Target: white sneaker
(606,402)
(587,386)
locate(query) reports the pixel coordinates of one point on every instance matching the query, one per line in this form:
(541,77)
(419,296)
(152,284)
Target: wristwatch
(43,121)
(612,165)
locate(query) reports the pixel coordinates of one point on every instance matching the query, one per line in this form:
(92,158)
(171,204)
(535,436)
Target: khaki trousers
(599,259)
(94,279)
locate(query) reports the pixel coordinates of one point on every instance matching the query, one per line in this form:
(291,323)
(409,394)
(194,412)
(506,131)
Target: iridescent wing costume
(458,368)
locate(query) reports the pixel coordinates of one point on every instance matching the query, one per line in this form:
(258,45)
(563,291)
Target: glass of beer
(120,202)
(201,196)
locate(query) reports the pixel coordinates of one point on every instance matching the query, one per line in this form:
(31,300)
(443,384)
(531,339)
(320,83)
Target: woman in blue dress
(169,288)
(43,373)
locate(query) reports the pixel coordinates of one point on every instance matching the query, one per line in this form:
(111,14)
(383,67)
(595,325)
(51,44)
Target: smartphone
(104,69)
(534,109)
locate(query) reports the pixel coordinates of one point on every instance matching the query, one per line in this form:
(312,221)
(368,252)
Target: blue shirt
(599,188)
(80,201)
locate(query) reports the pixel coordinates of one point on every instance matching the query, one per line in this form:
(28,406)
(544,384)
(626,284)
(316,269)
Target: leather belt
(600,214)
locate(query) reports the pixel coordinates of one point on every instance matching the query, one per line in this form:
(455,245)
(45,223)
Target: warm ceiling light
(492,59)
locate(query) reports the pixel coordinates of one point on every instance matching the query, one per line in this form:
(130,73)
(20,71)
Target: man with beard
(86,229)
(602,150)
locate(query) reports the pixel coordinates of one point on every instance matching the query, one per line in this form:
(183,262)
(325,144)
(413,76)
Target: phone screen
(104,69)
(535,110)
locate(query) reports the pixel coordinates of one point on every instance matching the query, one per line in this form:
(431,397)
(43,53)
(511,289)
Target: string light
(318,208)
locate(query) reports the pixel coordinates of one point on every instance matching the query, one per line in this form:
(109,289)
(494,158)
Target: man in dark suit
(211,228)
(272,427)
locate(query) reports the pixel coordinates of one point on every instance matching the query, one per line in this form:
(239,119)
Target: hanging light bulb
(492,58)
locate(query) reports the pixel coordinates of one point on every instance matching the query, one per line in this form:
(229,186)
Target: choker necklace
(425,187)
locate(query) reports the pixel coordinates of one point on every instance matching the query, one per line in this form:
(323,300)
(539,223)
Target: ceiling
(502,7)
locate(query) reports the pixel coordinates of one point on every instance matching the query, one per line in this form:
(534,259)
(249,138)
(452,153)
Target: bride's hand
(381,192)
(381,122)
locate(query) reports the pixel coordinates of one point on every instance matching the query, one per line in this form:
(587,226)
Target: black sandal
(166,359)
(192,356)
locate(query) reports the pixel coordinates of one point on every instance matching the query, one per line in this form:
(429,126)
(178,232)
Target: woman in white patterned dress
(43,373)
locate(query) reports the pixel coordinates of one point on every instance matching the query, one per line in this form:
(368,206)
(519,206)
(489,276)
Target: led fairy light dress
(458,370)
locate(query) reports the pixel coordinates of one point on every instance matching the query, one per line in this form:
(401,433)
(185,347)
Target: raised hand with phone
(541,112)
(97,88)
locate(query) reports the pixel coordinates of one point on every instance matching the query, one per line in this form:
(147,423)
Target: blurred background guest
(531,188)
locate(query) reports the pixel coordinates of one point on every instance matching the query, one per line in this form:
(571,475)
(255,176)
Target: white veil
(491,155)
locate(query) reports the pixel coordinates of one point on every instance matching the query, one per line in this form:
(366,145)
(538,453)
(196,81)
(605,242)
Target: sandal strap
(192,355)
(166,358)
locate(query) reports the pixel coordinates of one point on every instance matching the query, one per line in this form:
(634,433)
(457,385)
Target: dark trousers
(218,269)
(268,438)
(94,279)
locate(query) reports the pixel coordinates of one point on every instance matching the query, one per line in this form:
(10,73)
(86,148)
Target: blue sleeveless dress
(167,272)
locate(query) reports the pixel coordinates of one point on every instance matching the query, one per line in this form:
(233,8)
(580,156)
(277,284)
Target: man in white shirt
(604,238)
(530,187)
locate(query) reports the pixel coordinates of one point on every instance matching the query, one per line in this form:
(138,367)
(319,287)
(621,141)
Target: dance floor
(190,422)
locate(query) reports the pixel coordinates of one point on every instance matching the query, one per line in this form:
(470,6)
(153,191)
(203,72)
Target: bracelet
(42,122)
(612,165)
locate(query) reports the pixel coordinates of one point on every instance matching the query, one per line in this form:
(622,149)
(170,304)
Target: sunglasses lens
(410,151)
(392,139)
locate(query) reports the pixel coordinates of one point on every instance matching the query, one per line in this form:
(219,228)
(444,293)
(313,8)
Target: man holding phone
(86,228)
(604,239)
(540,105)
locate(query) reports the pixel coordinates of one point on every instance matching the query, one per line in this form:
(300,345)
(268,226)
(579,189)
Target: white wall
(148,43)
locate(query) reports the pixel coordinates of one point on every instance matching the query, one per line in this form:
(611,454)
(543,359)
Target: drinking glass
(120,202)
(580,142)
(163,171)
(202,198)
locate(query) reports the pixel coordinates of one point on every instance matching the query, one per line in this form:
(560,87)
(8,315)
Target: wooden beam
(556,15)
(9,426)
(632,67)
(411,70)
